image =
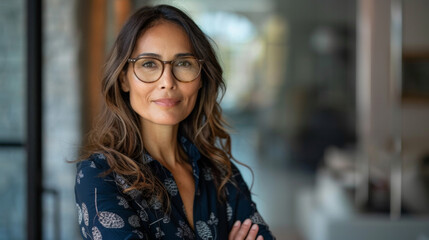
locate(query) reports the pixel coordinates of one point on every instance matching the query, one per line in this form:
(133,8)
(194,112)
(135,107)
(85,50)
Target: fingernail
(255,226)
(237,223)
(247,222)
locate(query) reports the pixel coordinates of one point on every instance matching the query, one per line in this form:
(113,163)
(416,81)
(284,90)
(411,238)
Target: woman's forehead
(164,39)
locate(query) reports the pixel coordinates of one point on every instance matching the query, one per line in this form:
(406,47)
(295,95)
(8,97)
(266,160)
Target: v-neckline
(181,202)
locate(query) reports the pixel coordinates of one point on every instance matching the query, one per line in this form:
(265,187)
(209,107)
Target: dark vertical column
(34,119)
(93,60)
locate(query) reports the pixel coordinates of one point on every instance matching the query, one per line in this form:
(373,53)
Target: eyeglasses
(149,69)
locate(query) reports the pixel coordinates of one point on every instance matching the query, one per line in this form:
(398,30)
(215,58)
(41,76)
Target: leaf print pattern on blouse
(139,234)
(92,165)
(79,214)
(147,159)
(257,218)
(100,156)
(85,214)
(79,176)
(83,232)
(171,186)
(134,194)
(144,203)
(227,191)
(166,219)
(155,203)
(184,231)
(213,219)
(208,175)
(110,220)
(228,212)
(203,230)
(159,233)
(179,233)
(121,182)
(134,221)
(96,234)
(143,215)
(122,202)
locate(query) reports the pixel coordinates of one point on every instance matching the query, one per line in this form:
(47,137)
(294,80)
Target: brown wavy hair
(117,134)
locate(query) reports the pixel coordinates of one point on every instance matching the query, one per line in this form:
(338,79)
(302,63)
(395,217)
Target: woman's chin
(162,121)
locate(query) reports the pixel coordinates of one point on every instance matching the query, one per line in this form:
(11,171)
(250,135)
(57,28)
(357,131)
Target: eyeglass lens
(150,69)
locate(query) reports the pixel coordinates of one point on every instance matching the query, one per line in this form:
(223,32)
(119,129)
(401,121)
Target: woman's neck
(160,141)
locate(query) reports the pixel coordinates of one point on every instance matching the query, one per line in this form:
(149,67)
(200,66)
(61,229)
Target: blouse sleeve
(103,211)
(240,205)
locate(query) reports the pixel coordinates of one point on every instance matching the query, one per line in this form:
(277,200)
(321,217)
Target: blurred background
(328,100)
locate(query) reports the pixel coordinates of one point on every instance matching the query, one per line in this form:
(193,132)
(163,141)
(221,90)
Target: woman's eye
(183,63)
(149,65)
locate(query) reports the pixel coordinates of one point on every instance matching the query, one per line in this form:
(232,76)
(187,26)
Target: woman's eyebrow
(184,55)
(149,55)
(159,56)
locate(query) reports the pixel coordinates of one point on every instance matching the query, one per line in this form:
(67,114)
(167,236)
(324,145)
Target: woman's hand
(244,231)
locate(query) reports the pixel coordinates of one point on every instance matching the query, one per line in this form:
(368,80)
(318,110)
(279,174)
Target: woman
(159,161)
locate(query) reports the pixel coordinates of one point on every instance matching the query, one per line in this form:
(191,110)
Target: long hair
(118,132)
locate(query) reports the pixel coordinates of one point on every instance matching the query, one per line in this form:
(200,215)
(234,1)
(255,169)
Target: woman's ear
(125,86)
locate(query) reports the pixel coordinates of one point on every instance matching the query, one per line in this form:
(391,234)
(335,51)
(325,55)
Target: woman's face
(166,101)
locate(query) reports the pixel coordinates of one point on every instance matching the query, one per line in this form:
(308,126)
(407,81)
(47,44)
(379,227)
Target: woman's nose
(167,81)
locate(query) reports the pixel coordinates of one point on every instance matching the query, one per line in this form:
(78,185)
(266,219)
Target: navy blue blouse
(105,212)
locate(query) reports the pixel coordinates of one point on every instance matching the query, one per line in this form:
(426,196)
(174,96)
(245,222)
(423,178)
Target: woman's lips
(166,102)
